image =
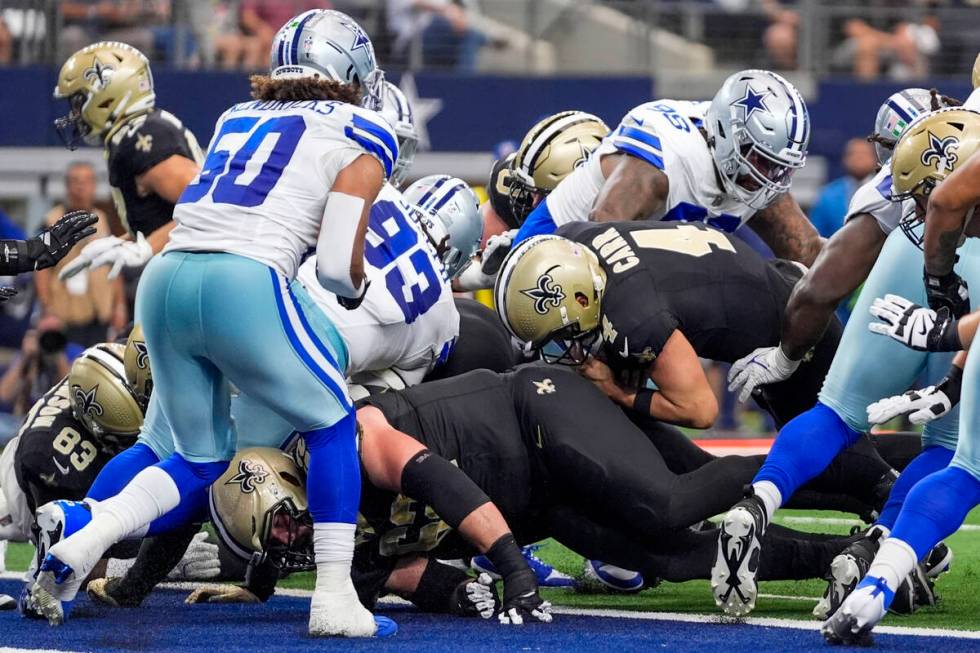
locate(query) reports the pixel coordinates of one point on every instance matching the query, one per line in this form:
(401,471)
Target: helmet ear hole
(582,299)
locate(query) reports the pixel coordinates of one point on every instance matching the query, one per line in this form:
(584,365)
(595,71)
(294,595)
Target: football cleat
(7,602)
(859,613)
(846,571)
(938,561)
(547,575)
(341,614)
(733,576)
(604,576)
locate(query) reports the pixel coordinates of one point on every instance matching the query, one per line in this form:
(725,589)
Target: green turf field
(958,608)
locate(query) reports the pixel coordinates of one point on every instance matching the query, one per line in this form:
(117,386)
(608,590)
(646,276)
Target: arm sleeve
(156,557)
(261,580)
(335,246)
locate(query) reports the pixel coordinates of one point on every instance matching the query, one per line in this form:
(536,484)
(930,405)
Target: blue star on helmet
(361,39)
(752,101)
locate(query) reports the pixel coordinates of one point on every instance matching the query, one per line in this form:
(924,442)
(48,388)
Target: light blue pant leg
(967,456)
(156,432)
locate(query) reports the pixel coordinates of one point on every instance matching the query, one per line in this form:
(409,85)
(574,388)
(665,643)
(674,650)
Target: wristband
(950,338)
(642,400)
(951,384)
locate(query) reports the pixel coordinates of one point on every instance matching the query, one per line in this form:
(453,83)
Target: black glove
(948,291)
(475,597)
(52,244)
(6,293)
(350,303)
(522,602)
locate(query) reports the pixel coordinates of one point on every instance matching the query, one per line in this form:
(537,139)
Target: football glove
(496,250)
(350,303)
(52,244)
(112,251)
(221,594)
(6,293)
(916,327)
(522,602)
(948,291)
(475,597)
(763,366)
(923,405)
(200,561)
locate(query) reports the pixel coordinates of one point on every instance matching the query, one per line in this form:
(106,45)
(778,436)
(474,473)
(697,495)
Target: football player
(870,248)
(151,156)
(45,249)
(721,162)
(652,298)
(936,166)
(217,308)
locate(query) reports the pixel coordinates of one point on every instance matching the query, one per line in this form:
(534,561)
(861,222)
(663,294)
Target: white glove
(917,327)
(763,366)
(481,596)
(472,278)
(921,406)
(200,562)
(496,250)
(110,251)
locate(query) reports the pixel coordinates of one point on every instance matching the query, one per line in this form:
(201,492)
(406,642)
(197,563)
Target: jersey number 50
(221,174)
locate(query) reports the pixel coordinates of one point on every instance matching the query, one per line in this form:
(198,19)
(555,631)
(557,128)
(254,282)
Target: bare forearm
(483,527)
(943,230)
(787,231)
(633,190)
(967,328)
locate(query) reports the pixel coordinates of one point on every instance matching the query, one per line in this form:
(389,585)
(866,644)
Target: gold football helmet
(976,73)
(137,362)
(929,150)
(101,398)
(103,83)
(550,152)
(549,295)
(260,511)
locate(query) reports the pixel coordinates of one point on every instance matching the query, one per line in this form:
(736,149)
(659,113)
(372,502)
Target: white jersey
(408,319)
(263,187)
(667,135)
(973,102)
(875,198)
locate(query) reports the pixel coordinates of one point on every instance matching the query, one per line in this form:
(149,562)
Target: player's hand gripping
(522,602)
(52,244)
(221,594)
(475,597)
(921,406)
(112,251)
(948,291)
(916,327)
(763,366)
(200,561)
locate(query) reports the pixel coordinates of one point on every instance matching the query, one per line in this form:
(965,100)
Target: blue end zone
(165,624)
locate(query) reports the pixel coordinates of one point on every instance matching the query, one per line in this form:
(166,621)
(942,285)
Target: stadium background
(480,73)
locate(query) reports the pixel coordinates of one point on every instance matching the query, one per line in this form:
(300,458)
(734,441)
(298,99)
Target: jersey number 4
(222,170)
(683,239)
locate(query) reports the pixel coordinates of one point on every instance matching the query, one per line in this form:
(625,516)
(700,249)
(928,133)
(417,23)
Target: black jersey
(482,343)
(470,421)
(715,289)
(137,146)
(57,457)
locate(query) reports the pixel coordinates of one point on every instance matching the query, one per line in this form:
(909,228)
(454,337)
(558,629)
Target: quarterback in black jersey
(151,156)
(650,299)
(68,436)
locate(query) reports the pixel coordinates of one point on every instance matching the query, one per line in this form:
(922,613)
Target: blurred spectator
(448,37)
(781,36)
(129,21)
(829,210)
(88,303)
(903,52)
(261,19)
(43,360)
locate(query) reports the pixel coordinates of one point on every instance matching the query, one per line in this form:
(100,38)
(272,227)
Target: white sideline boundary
(764,622)
(842,521)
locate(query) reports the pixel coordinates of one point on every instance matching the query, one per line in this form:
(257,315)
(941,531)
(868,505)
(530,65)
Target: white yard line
(841,521)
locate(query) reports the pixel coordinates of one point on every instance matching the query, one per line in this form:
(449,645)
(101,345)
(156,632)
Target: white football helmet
(450,214)
(398,112)
(758,130)
(328,43)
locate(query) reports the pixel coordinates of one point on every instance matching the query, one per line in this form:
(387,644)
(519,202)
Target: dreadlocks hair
(939,100)
(884,141)
(303,88)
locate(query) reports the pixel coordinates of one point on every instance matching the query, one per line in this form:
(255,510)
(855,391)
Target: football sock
(804,448)
(333,550)
(935,508)
(333,484)
(893,563)
(770,496)
(120,470)
(932,459)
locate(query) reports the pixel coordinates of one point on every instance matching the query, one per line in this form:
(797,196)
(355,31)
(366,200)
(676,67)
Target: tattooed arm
(783,226)
(949,206)
(633,190)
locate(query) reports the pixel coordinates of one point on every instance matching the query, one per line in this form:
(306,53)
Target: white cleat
(733,576)
(859,614)
(341,614)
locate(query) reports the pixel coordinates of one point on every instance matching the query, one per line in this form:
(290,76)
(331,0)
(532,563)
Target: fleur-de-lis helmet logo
(99,75)
(142,356)
(85,401)
(249,474)
(546,293)
(943,150)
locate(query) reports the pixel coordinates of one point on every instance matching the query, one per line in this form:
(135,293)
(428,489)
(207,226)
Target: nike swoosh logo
(626,347)
(62,469)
